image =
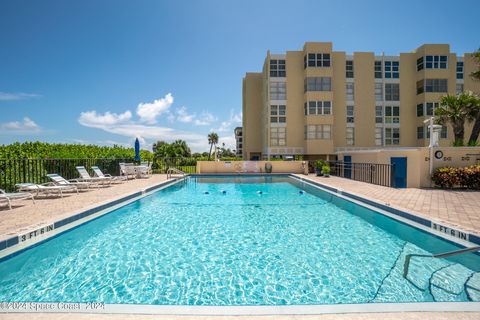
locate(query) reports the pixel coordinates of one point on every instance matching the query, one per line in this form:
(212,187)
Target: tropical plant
(450,177)
(476,57)
(176,149)
(457,110)
(212,141)
(326,170)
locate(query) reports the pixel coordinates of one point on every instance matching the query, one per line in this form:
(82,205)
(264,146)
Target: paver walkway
(25,214)
(457,208)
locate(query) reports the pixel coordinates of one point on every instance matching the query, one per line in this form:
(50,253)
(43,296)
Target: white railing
(172,171)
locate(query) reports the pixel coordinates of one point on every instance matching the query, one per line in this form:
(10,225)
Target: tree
(476,74)
(212,141)
(457,110)
(176,149)
(476,111)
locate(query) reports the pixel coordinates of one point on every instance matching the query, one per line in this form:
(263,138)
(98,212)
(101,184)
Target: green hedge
(449,177)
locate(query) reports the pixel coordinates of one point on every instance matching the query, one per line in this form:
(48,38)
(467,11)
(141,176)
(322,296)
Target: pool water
(239,241)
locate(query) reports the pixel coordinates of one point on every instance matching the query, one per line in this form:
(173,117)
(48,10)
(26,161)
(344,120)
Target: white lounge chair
(85,176)
(61,181)
(127,170)
(148,166)
(46,188)
(100,174)
(8,197)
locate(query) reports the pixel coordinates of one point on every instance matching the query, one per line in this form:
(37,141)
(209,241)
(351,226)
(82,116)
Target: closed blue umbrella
(137,150)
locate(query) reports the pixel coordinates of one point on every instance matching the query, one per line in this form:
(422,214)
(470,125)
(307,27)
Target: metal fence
(374,173)
(13,171)
(187,165)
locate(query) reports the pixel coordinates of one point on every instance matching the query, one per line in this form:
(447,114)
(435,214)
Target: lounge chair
(127,170)
(61,181)
(85,176)
(46,188)
(100,174)
(148,166)
(8,197)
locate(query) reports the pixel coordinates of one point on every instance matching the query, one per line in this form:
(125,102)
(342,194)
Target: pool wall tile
(3,244)
(12,241)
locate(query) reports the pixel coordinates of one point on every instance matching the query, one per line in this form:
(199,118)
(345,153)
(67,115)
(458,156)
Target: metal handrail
(409,257)
(174,170)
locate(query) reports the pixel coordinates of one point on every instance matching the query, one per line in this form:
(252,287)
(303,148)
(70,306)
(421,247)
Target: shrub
(448,177)
(326,169)
(319,164)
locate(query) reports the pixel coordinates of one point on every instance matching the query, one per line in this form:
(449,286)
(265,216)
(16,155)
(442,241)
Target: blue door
(400,172)
(347,169)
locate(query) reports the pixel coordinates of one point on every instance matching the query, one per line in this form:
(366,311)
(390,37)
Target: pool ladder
(171,171)
(409,257)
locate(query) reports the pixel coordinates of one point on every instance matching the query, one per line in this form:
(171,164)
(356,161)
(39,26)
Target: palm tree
(212,141)
(476,127)
(181,148)
(456,110)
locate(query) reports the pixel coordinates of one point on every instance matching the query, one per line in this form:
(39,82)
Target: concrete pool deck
(456,208)
(25,215)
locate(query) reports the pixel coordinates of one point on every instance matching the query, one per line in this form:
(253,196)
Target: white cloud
(26,126)
(205,119)
(229,125)
(148,112)
(8,96)
(184,116)
(92,119)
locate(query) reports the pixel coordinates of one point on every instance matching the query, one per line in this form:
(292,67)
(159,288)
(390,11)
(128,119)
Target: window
(378,92)
(277,68)
(444,133)
(350,91)
(432,85)
(420,132)
(278,91)
(318,84)
(392,92)
(420,88)
(378,136)
(349,69)
(419,63)
(459,88)
(316,60)
(378,69)
(420,110)
(350,115)
(392,114)
(278,136)
(278,114)
(305,108)
(430,107)
(392,69)
(392,136)
(350,135)
(378,114)
(318,108)
(320,131)
(436,62)
(436,85)
(460,70)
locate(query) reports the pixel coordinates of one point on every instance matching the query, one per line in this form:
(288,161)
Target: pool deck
(25,215)
(455,208)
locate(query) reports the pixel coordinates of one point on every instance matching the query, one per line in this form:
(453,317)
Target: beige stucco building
(317,102)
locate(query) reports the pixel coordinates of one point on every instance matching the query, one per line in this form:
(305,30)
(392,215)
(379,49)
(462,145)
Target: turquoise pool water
(239,241)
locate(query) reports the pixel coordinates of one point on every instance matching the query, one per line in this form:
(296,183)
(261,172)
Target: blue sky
(104,72)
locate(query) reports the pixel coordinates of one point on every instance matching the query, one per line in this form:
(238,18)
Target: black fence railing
(187,165)
(13,171)
(374,173)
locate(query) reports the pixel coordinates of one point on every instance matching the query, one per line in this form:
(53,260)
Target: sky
(105,72)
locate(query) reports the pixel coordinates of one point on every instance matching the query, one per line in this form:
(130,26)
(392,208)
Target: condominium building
(239,141)
(317,101)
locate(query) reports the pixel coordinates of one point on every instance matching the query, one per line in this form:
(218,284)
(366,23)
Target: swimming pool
(224,241)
